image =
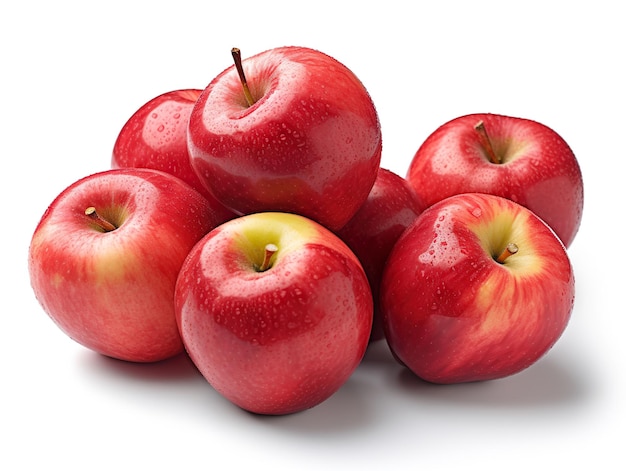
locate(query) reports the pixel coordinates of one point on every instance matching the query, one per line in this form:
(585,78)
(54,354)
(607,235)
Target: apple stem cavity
(510,249)
(102,223)
(236,52)
(486,143)
(270,250)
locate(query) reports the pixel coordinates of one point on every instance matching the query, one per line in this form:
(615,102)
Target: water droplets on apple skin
(165,129)
(444,248)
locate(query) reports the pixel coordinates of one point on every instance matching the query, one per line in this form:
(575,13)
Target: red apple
(155,137)
(275,311)
(302,136)
(477,288)
(390,208)
(105,256)
(515,158)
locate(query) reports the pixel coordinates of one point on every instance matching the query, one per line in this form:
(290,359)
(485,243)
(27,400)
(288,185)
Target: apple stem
(244,83)
(270,250)
(486,142)
(507,252)
(105,225)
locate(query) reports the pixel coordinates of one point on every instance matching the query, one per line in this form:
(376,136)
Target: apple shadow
(178,377)
(379,354)
(352,407)
(176,369)
(347,409)
(549,383)
(175,382)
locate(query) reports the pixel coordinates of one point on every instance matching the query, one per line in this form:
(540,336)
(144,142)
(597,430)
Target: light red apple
(460,303)
(304,139)
(104,259)
(515,158)
(155,137)
(275,311)
(390,208)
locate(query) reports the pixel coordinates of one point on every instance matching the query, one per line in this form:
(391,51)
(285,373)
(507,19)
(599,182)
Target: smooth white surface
(72,73)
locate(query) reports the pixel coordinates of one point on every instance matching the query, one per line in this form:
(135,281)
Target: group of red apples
(251,226)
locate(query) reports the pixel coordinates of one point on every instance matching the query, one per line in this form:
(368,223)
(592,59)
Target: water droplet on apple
(434,307)
(161,128)
(176,116)
(155,116)
(476,212)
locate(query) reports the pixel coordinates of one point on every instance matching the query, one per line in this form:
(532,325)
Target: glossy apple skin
(282,340)
(390,208)
(311,143)
(452,313)
(113,292)
(539,171)
(155,137)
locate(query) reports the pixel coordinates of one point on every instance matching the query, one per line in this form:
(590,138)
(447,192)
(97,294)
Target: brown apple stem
(270,250)
(244,83)
(510,249)
(486,142)
(105,225)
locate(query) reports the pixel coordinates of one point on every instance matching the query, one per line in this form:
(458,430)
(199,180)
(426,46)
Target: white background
(72,73)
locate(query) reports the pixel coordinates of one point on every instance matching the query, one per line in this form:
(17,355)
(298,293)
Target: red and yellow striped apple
(104,259)
(275,311)
(477,288)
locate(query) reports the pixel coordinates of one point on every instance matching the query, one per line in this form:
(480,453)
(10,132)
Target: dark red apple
(390,208)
